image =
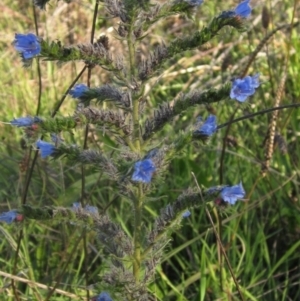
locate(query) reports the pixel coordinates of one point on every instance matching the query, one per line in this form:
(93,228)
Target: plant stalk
(138,206)
(135,100)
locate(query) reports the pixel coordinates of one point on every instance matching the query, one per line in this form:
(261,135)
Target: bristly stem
(135,100)
(138,203)
(38,65)
(138,206)
(86,131)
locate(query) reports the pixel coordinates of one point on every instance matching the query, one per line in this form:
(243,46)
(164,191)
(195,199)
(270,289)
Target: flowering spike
(242,88)
(27,44)
(78,90)
(9,217)
(46,148)
(143,171)
(243,9)
(233,193)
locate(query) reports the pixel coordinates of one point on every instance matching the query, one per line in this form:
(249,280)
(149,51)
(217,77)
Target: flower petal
(243,9)
(233,193)
(143,171)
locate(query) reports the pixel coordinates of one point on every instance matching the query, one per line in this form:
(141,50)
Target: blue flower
(208,127)
(27,44)
(78,90)
(143,171)
(233,193)
(8,217)
(186,214)
(76,206)
(194,2)
(91,209)
(242,88)
(102,297)
(22,121)
(46,148)
(25,121)
(243,9)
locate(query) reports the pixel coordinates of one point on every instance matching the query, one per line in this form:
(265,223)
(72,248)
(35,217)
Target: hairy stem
(135,101)
(138,206)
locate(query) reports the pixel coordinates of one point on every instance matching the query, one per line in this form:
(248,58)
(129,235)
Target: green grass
(261,236)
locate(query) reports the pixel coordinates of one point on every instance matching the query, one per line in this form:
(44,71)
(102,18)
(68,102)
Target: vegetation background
(261,235)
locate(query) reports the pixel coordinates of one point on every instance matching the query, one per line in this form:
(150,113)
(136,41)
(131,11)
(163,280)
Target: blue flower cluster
(104,297)
(25,121)
(10,216)
(143,171)
(78,91)
(186,214)
(243,88)
(243,9)
(90,209)
(27,44)
(208,127)
(45,148)
(194,2)
(233,193)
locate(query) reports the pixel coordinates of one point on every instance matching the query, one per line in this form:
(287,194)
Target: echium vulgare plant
(139,162)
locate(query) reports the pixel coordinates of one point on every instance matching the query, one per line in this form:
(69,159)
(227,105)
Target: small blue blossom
(103,297)
(194,2)
(242,88)
(78,90)
(27,44)
(91,209)
(22,121)
(143,171)
(243,9)
(46,148)
(9,217)
(25,121)
(76,206)
(186,214)
(208,127)
(233,193)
